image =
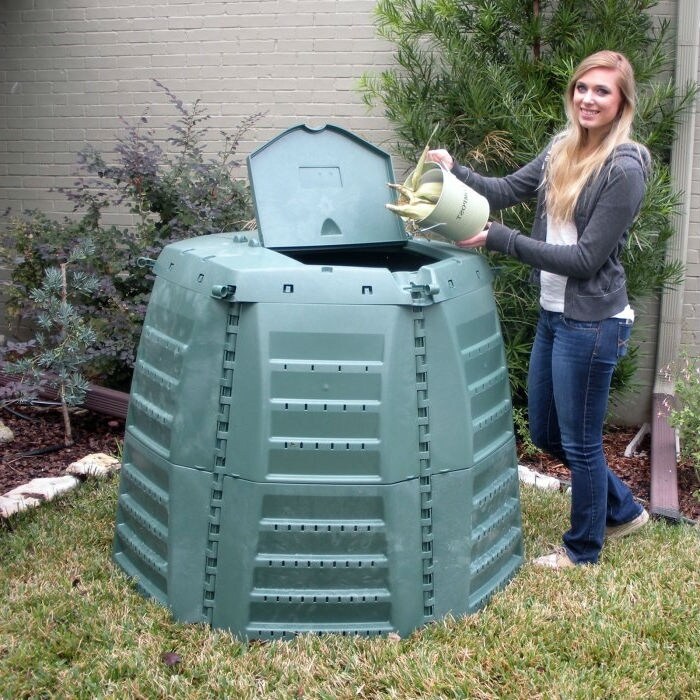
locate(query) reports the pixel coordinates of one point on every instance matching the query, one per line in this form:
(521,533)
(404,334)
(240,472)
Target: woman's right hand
(442,157)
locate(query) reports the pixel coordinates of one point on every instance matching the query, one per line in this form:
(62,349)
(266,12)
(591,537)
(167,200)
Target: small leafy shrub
(684,414)
(63,338)
(171,194)
(527,448)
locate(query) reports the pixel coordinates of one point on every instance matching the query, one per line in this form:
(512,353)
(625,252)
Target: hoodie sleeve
(502,192)
(613,213)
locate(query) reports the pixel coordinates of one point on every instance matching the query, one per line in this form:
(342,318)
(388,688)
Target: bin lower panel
(287,559)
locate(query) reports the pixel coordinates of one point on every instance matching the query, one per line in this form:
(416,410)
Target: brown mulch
(635,471)
(41,429)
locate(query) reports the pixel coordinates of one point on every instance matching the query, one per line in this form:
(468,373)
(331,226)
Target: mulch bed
(38,448)
(635,471)
(41,429)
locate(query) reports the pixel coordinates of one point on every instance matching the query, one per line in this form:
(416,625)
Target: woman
(589,185)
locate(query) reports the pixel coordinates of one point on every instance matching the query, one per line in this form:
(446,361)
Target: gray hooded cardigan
(607,207)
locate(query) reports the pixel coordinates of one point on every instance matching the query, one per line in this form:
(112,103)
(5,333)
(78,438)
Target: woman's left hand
(478,241)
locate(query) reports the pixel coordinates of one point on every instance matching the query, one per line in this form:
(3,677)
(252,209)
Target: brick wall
(71,68)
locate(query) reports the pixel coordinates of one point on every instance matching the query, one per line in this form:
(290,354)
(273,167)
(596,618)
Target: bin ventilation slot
(270,524)
(292,630)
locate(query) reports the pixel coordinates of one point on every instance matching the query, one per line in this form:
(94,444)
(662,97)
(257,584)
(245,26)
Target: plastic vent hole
(200,277)
(313,367)
(288,288)
(367,289)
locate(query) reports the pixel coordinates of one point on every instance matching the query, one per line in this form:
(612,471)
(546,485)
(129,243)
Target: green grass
(72,626)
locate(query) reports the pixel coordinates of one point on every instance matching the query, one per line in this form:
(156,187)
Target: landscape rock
(6,435)
(98,464)
(34,493)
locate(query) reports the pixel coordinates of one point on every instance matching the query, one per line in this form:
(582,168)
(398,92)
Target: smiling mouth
(589,112)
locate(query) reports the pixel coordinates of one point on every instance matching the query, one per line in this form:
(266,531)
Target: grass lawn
(72,626)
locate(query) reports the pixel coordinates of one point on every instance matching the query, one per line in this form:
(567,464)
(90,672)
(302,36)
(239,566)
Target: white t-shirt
(553,287)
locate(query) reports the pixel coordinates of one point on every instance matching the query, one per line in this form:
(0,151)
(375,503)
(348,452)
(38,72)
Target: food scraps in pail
(443,203)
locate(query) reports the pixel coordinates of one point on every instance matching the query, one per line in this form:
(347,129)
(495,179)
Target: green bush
(684,410)
(59,351)
(492,73)
(173,194)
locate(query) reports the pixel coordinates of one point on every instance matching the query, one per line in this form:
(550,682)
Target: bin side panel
(477,532)
(161,529)
(328,394)
(175,387)
(318,558)
(466,362)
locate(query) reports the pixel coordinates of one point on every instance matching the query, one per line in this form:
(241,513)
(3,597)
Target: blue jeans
(571,367)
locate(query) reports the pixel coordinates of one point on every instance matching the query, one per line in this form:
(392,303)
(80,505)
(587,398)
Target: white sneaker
(558,559)
(614,532)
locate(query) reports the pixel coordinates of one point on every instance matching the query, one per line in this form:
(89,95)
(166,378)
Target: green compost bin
(320,435)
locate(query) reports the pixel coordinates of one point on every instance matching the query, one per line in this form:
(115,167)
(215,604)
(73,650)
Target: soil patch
(38,448)
(635,471)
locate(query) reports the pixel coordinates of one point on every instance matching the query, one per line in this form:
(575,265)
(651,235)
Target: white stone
(34,493)
(6,435)
(540,481)
(98,464)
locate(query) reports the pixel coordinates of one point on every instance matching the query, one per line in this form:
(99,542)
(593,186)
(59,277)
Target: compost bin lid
(321,187)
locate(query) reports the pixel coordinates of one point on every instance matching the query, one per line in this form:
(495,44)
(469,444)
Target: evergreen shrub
(492,74)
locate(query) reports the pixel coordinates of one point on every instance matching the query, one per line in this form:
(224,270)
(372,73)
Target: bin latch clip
(223,291)
(423,291)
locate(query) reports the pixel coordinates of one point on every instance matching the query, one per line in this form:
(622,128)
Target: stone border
(38,491)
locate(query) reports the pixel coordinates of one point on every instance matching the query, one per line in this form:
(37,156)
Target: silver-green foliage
(492,73)
(64,337)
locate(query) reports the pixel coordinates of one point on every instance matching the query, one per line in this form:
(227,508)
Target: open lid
(322,187)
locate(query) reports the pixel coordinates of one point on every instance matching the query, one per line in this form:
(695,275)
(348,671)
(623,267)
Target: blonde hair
(567,170)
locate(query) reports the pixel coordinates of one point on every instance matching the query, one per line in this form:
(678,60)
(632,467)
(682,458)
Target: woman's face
(597,101)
